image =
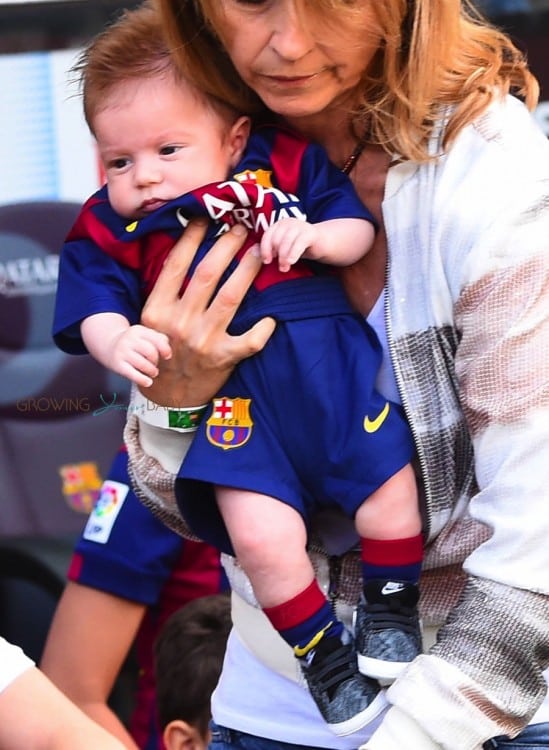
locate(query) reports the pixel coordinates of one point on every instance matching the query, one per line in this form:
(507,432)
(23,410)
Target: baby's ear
(180,735)
(239,134)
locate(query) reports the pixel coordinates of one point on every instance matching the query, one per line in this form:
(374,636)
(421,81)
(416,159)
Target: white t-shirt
(13,662)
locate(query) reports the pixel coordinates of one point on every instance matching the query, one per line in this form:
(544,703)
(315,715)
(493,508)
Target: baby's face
(158,140)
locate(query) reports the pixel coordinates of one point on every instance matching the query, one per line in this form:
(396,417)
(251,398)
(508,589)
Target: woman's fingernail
(239,229)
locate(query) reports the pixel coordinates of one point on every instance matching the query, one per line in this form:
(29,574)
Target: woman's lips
(289,82)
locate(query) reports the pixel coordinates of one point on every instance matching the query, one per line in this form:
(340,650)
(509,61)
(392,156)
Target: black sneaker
(387,629)
(346,699)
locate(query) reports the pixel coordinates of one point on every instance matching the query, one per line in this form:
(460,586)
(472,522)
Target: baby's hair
(188,656)
(132,47)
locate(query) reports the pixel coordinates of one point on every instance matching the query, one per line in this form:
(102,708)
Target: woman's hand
(204,354)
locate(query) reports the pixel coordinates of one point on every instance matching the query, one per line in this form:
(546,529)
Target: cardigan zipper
(403,397)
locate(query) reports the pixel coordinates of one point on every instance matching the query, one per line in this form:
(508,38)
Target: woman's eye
(251,5)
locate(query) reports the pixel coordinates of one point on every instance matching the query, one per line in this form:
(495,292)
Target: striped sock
(392,559)
(305,619)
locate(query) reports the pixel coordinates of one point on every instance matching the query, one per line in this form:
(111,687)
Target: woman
(412,98)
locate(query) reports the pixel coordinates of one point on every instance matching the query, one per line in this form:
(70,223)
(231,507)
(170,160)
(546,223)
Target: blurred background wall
(46,151)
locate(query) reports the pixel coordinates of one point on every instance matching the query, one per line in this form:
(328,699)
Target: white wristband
(185,419)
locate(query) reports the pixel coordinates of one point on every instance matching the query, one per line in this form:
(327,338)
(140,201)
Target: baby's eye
(169,150)
(119,164)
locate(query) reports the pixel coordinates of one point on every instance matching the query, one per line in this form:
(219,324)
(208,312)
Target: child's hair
(188,656)
(131,47)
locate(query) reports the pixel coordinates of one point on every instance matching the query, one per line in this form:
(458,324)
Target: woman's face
(300,59)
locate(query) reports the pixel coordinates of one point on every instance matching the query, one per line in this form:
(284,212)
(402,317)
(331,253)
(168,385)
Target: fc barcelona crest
(81,485)
(258,177)
(230,425)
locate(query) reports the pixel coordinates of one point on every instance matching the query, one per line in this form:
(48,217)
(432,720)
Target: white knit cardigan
(467,318)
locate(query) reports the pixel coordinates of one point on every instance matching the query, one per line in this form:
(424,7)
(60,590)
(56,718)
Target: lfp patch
(105,512)
(230,424)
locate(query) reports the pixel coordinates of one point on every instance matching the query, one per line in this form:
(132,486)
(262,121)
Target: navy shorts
(302,422)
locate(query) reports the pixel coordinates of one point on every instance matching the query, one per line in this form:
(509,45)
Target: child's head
(188,656)
(158,136)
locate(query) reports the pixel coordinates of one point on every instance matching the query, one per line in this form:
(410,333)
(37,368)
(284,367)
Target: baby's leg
(392,511)
(269,539)
(387,626)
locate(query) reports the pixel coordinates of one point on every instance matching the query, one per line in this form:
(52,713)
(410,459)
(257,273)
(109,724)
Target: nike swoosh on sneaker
(392,587)
(373,425)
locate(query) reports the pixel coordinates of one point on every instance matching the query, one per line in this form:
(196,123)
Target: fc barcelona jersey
(109,263)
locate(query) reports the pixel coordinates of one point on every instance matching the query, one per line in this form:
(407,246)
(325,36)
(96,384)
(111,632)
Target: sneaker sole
(379,669)
(362,719)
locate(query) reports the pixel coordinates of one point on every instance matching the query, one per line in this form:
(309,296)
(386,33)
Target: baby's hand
(289,240)
(136,352)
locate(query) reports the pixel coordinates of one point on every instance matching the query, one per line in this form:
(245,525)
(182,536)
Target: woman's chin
(294,108)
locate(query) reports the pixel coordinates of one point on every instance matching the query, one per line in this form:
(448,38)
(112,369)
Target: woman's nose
(291,37)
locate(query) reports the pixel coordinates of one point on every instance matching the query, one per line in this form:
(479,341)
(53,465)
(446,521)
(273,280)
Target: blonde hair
(132,47)
(434,54)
